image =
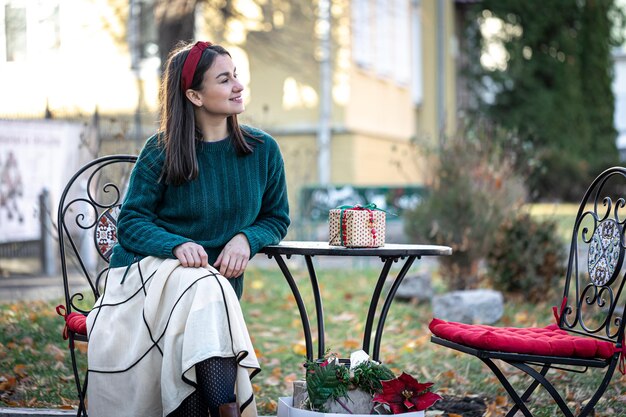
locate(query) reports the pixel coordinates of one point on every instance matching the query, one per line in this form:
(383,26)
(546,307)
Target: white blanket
(147,333)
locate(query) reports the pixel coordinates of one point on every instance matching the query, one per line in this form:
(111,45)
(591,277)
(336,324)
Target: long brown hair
(178,128)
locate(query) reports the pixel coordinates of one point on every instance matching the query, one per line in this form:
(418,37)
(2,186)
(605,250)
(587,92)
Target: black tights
(216,385)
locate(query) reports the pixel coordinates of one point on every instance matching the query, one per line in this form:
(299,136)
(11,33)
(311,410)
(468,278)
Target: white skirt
(147,333)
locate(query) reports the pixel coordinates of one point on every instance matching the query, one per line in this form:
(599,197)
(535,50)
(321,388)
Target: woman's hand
(190,254)
(234,258)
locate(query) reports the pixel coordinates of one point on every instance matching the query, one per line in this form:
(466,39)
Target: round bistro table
(388,253)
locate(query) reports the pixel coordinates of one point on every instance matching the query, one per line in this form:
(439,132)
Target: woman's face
(220,93)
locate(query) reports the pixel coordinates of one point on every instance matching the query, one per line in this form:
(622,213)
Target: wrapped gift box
(357,227)
(286,409)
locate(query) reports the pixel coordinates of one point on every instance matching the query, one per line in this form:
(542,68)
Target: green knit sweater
(232,194)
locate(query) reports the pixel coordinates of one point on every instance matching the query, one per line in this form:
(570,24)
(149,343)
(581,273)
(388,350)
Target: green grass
(563,214)
(35,368)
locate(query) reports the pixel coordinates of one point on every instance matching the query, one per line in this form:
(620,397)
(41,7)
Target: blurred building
(391,77)
(619,89)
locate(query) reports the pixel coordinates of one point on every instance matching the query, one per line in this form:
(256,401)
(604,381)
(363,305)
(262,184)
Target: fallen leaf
(492,410)
(272,381)
(27,341)
(82,347)
(289,379)
(7,384)
(351,344)
(66,402)
(521,317)
(55,351)
(299,348)
(257,284)
(346,316)
(20,370)
(501,400)
(271,406)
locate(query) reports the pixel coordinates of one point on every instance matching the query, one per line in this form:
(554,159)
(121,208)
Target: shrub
(475,188)
(527,257)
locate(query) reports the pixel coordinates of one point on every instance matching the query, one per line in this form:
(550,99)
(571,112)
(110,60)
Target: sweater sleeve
(271,224)
(137,230)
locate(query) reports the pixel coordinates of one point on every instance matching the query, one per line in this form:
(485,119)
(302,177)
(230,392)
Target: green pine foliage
(367,376)
(327,381)
(331,380)
(555,86)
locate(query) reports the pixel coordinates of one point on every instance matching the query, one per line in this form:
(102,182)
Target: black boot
(230,410)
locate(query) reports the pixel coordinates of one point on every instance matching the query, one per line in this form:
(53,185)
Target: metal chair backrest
(87,225)
(594,289)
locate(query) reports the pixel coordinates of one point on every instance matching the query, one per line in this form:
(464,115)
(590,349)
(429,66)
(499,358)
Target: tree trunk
(175,22)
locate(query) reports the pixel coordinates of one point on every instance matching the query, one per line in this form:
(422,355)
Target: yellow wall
(427,112)
(380,161)
(379,107)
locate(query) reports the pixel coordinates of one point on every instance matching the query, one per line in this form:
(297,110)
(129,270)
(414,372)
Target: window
(362,33)
(48,28)
(15,32)
(382,37)
(29,28)
(402,42)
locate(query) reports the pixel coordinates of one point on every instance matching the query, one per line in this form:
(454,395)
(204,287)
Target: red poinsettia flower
(405,394)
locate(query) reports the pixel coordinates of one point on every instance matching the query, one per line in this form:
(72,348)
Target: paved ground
(38,412)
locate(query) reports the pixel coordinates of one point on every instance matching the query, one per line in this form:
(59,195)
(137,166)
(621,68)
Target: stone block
(469,306)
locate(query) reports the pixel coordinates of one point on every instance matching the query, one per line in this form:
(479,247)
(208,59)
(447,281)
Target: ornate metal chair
(589,329)
(87,231)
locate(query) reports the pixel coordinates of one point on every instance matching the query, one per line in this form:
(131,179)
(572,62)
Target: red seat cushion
(549,341)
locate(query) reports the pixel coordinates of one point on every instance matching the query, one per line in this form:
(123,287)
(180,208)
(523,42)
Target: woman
(167,337)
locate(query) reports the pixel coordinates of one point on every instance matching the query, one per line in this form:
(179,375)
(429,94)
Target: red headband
(191,63)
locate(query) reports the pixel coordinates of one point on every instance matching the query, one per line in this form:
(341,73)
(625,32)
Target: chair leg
(82,407)
(519,403)
(81,389)
(531,388)
(589,407)
(546,385)
(540,379)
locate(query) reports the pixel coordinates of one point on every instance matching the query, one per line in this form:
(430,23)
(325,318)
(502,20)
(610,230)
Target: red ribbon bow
(559,314)
(74,322)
